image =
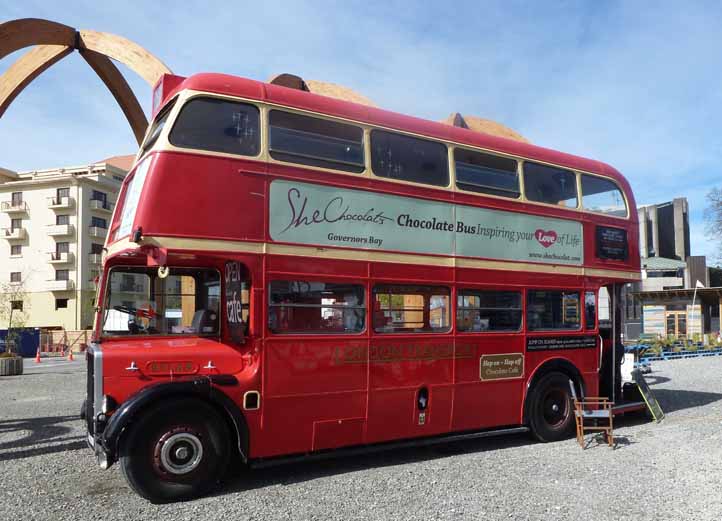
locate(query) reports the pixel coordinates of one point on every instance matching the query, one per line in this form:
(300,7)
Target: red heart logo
(546,238)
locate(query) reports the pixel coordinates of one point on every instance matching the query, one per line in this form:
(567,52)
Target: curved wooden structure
(28,67)
(121,91)
(332,90)
(485,126)
(139,60)
(24,32)
(54,41)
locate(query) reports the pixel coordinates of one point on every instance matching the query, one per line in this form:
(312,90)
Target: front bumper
(94,420)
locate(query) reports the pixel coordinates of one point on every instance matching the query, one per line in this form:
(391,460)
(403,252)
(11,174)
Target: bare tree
(14,311)
(713,220)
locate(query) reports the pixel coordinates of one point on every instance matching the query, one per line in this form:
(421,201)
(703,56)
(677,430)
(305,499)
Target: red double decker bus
(290,275)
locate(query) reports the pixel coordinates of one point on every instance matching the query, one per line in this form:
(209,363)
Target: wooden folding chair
(596,409)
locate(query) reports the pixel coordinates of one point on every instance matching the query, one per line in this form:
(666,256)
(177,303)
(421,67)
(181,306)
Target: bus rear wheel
(551,412)
(175,451)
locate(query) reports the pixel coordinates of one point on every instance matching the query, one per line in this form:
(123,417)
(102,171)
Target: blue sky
(636,85)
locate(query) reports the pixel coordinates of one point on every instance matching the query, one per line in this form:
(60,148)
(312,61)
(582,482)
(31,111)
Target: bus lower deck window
(553,309)
(411,309)
(316,307)
(590,310)
(488,310)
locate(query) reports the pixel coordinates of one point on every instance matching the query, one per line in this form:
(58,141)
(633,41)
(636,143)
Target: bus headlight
(108,404)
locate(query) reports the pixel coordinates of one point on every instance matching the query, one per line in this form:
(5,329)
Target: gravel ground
(666,471)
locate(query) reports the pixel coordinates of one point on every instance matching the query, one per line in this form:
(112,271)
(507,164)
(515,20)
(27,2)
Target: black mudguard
(202,387)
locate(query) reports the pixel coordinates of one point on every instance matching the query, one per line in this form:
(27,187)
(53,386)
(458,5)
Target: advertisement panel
(326,216)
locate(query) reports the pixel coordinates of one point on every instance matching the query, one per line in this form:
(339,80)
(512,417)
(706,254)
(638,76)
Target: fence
(61,341)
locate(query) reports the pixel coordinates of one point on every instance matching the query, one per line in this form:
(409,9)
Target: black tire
(148,452)
(550,412)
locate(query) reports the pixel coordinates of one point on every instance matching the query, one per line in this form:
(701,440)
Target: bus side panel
(400,366)
(585,360)
(309,381)
(491,401)
(230,206)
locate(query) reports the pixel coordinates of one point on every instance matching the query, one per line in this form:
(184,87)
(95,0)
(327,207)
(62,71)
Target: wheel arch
(559,365)
(199,388)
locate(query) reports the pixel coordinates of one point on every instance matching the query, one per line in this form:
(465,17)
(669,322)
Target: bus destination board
(611,243)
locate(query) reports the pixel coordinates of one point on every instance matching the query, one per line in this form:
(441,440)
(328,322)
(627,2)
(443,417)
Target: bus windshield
(140,302)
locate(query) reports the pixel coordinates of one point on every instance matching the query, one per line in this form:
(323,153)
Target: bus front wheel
(551,412)
(175,451)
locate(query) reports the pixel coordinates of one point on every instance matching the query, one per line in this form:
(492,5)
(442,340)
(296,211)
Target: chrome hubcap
(181,453)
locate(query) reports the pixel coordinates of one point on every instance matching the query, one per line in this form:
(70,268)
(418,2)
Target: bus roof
(256,90)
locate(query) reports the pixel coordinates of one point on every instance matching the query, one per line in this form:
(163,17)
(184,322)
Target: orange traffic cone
(70,355)
(37,356)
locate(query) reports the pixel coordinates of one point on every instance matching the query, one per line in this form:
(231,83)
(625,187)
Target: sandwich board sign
(649,399)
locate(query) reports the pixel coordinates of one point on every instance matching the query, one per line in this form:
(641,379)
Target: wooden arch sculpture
(53,41)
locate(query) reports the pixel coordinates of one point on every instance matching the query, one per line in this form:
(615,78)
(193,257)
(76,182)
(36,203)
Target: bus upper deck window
(602,196)
(218,125)
(548,184)
(397,156)
(486,173)
(157,126)
(316,142)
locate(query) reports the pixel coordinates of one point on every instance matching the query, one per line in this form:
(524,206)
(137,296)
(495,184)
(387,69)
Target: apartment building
(53,226)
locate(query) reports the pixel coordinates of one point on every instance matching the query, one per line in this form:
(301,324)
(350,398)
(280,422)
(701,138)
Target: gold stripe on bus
(174,243)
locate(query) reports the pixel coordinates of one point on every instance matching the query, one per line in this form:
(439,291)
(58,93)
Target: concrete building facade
(53,226)
(674,297)
(664,230)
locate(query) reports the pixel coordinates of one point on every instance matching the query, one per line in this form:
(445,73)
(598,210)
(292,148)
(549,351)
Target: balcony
(127,287)
(10,207)
(59,285)
(101,206)
(96,231)
(60,203)
(61,258)
(60,230)
(14,234)
(95,258)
